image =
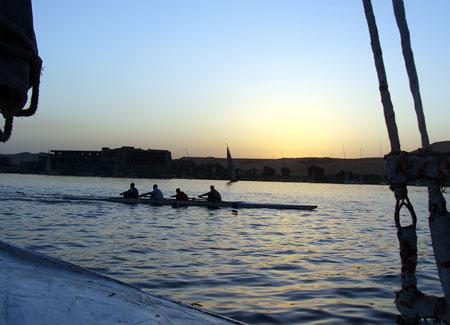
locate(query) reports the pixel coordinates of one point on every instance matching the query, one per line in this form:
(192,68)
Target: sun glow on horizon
(270,79)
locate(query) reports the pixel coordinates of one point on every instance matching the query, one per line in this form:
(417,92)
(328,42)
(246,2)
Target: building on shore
(131,162)
(74,162)
(119,162)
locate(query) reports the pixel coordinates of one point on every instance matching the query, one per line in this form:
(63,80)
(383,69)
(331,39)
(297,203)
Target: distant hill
(18,158)
(442,146)
(299,166)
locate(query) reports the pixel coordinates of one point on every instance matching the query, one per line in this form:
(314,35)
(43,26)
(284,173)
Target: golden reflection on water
(337,263)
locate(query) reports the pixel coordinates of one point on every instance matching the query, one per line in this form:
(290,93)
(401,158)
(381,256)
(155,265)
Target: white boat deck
(36,289)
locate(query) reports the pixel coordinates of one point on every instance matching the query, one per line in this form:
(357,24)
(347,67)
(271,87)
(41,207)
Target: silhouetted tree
(204,171)
(286,172)
(372,179)
(350,176)
(340,177)
(220,171)
(210,170)
(184,167)
(251,173)
(4,161)
(268,172)
(315,172)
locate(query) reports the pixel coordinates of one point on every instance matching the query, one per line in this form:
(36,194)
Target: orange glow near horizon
(270,85)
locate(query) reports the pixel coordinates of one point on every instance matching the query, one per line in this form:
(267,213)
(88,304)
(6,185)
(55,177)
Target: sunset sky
(270,78)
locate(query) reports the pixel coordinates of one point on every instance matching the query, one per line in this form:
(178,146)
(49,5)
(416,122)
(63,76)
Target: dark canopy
(20,65)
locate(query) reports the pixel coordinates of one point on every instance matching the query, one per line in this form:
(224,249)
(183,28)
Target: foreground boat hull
(198,203)
(38,289)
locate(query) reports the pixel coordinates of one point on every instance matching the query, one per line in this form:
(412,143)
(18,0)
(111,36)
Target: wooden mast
(439,219)
(403,167)
(400,17)
(389,114)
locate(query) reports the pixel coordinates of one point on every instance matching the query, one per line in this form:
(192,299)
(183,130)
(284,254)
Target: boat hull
(38,289)
(197,203)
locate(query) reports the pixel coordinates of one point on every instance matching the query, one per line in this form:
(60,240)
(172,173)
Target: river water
(338,264)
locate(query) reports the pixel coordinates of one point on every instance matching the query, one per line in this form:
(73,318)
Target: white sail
(231,167)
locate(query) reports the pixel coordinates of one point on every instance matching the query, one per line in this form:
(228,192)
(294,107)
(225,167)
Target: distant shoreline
(293,170)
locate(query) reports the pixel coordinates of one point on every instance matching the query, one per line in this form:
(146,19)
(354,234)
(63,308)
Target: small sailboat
(231,167)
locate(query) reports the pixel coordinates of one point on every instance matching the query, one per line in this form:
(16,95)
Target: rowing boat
(195,202)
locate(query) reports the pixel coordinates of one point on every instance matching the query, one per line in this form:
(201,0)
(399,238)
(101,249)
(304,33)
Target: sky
(273,79)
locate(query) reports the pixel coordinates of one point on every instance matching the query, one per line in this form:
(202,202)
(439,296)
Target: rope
(31,110)
(4,136)
(402,200)
(407,238)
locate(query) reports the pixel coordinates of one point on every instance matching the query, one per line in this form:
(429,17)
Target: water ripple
(337,265)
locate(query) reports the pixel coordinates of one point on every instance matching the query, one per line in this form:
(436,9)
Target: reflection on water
(338,264)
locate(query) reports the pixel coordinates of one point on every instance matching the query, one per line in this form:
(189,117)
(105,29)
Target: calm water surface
(339,264)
